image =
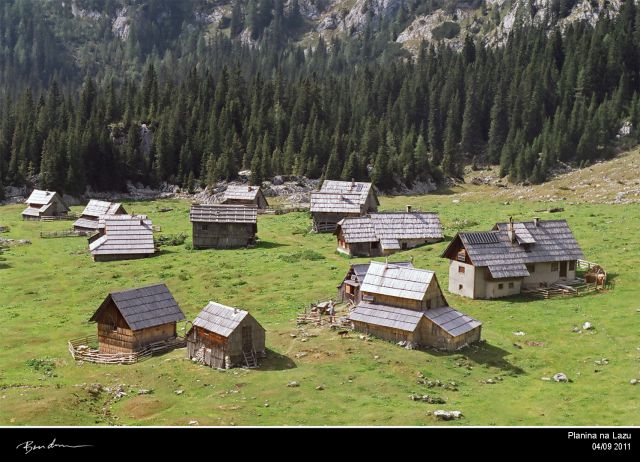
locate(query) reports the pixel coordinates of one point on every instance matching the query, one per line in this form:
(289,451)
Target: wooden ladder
(250,359)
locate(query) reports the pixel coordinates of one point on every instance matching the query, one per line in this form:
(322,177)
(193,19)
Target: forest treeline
(355,108)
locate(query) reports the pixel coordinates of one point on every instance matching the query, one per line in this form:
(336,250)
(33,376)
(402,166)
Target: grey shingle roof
(39,197)
(144,307)
(387,316)
(217,213)
(96,208)
(389,227)
(330,202)
(549,241)
(347,187)
(397,281)
(220,319)
(360,269)
(124,234)
(241,192)
(451,320)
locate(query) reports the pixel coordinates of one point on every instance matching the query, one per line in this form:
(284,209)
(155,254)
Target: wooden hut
(511,257)
(131,320)
(403,304)
(43,204)
(349,288)
(224,337)
(223,226)
(381,234)
(240,194)
(122,237)
(90,218)
(340,199)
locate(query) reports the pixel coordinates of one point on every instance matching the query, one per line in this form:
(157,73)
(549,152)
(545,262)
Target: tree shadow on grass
(275,362)
(486,354)
(4,265)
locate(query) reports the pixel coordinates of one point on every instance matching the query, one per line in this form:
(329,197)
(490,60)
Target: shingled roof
(241,192)
(451,320)
(397,281)
(220,319)
(223,213)
(546,241)
(94,210)
(387,316)
(124,234)
(144,307)
(390,227)
(335,202)
(349,187)
(39,197)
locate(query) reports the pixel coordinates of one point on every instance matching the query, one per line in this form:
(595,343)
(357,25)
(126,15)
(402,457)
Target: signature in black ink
(29,446)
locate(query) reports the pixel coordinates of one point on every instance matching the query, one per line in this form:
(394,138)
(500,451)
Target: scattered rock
(179,392)
(602,362)
(304,339)
(320,387)
(576,330)
(633,381)
(587,326)
(144,391)
(94,389)
(519,333)
(193,422)
(293,335)
(560,377)
(489,381)
(302,354)
(266,404)
(447,415)
(534,344)
(518,346)
(546,379)
(293,384)
(376,357)
(456,201)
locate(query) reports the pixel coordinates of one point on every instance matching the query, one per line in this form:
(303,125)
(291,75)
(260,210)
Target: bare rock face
(120,26)
(363,10)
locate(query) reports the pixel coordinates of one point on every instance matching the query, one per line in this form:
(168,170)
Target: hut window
(531,268)
(572,265)
(461,269)
(554,266)
(404,246)
(462,255)
(204,227)
(511,285)
(374,245)
(500,286)
(459,286)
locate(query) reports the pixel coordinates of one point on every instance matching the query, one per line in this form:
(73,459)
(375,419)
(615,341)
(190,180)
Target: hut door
(563,269)
(247,340)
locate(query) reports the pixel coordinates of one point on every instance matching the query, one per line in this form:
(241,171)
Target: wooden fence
(85,349)
(282,210)
(69,216)
(64,233)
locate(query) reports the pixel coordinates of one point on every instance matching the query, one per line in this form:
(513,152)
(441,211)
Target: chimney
(510,231)
(536,221)
(408,209)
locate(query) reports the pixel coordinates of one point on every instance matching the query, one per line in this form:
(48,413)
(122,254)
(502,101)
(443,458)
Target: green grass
(49,289)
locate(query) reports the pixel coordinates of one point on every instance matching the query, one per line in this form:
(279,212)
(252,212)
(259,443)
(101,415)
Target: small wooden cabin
(122,237)
(90,218)
(407,304)
(511,257)
(44,204)
(131,320)
(223,226)
(381,234)
(240,194)
(224,337)
(349,288)
(340,199)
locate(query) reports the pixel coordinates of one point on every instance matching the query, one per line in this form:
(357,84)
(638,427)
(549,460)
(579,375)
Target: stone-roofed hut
(224,337)
(44,204)
(381,234)
(340,199)
(223,226)
(405,304)
(240,194)
(122,237)
(131,320)
(90,218)
(511,257)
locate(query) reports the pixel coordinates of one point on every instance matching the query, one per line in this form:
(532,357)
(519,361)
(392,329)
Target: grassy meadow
(49,290)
